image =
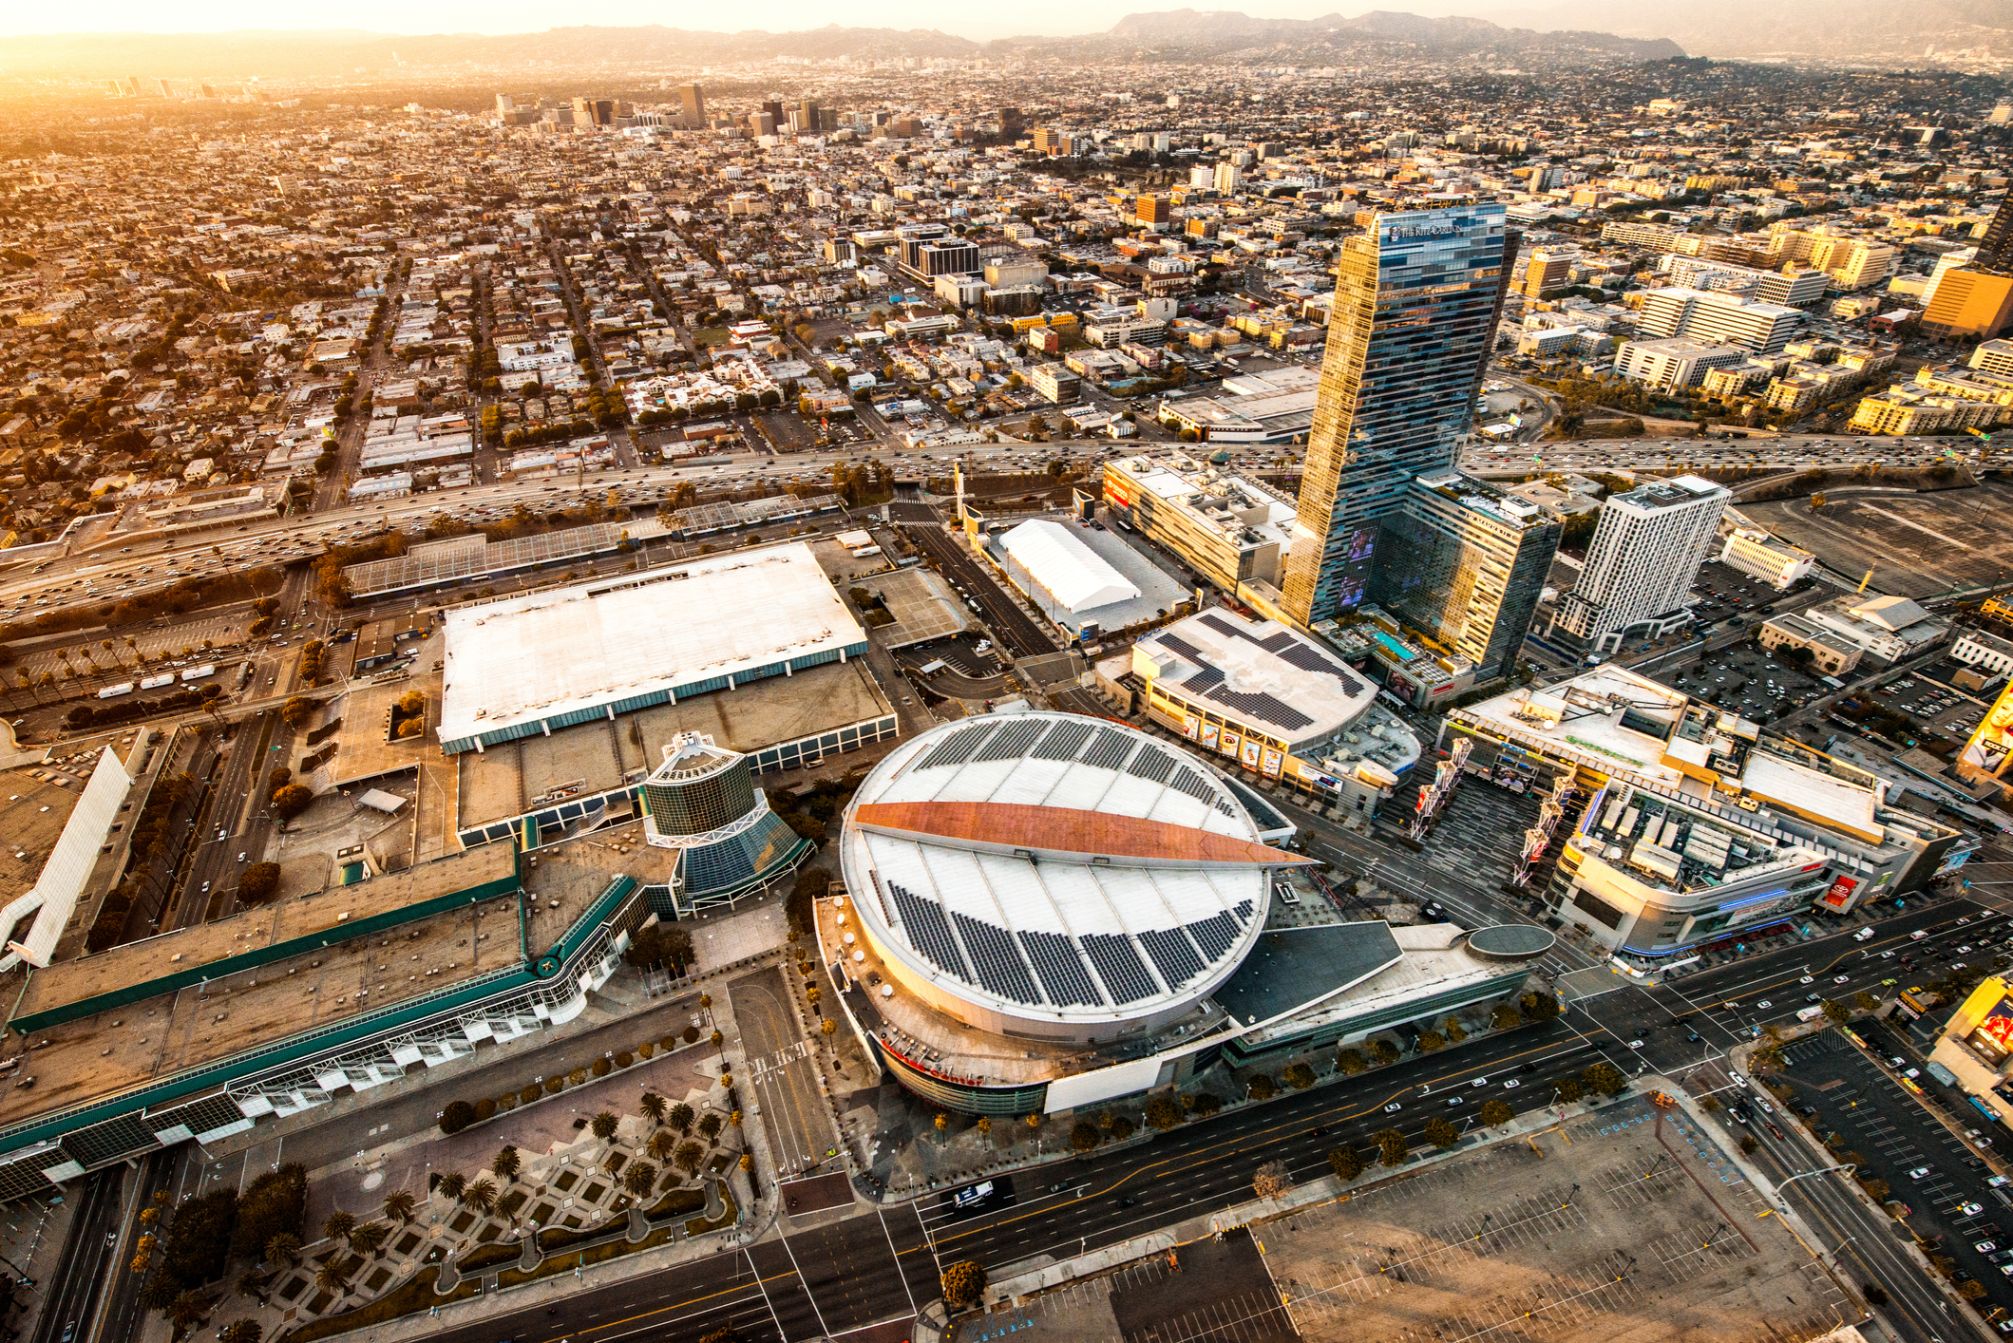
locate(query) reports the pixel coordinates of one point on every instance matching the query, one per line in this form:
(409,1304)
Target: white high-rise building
(1718,319)
(1228,178)
(1645,555)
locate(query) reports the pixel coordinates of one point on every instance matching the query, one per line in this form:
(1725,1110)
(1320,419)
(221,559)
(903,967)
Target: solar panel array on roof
(1204,681)
(1172,955)
(1060,969)
(1118,965)
(1189,782)
(957,748)
(1110,749)
(1063,740)
(1153,765)
(928,930)
(1012,740)
(999,965)
(1259,705)
(1217,933)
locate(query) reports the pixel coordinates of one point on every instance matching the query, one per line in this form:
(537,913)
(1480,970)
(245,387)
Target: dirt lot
(1624,1227)
(1916,544)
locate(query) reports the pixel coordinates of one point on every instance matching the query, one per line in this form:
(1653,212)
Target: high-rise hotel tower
(1417,299)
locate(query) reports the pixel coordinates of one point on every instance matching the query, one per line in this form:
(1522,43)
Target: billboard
(1839,894)
(1994,1030)
(1990,749)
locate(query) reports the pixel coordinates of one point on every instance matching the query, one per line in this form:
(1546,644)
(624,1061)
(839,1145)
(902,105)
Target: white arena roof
(589,649)
(1056,874)
(1075,575)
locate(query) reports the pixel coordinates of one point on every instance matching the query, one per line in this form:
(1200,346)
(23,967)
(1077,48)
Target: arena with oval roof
(1043,910)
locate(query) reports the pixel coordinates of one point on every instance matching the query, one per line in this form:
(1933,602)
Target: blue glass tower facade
(1417,300)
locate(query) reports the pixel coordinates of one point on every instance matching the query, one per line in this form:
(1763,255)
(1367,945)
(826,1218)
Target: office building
(1417,301)
(1156,212)
(1995,246)
(1227,178)
(1829,654)
(1230,529)
(1645,555)
(1674,364)
(1463,565)
(1108,934)
(1055,384)
(691,106)
(1971,303)
(1690,826)
(1718,319)
(1755,553)
(1549,270)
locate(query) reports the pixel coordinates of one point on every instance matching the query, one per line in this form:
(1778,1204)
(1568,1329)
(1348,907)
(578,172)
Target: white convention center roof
(1074,574)
(546,654)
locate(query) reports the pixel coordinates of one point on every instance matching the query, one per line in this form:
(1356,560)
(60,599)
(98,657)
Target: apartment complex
(1646,552)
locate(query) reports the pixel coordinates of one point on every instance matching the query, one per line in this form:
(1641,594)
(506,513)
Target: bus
(975,1196)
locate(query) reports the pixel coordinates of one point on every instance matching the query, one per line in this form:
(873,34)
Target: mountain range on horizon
(1624,30)
(1169,35)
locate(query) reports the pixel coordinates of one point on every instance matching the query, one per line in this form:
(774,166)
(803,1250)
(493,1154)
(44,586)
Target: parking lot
(1632,1223)
(1916,545)
(1746,678)
(1836,1088)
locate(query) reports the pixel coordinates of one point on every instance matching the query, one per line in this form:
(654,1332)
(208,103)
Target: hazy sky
(505,16)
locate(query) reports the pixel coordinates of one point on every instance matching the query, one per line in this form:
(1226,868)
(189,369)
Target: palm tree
(639,1179)
(398,1205)
(240,1331)
(653,1108)
(452,1183)
(339,1225)
(603,1125)
(369,1238)
(680,1117)
(506,1165)
(284,1248)
(188,1310)
(480,1194)
(332,1277)
(661,1145)
(252,1283)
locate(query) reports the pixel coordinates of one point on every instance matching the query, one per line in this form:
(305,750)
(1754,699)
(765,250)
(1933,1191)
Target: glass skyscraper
(1417,299)
(1463,563)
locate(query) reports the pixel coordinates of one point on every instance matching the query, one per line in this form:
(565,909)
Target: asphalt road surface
(781,1066)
